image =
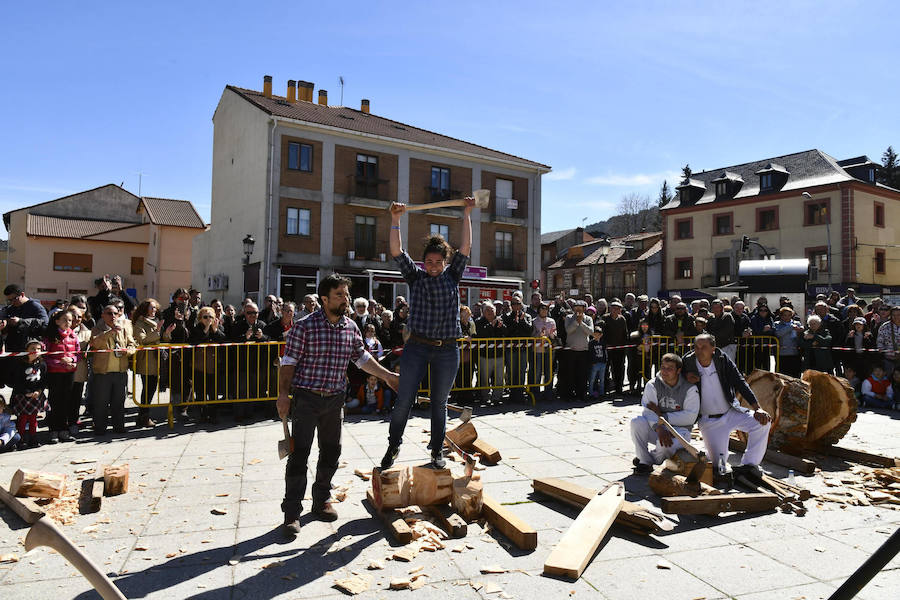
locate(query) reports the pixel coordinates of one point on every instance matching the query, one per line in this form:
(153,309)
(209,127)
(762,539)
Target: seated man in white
(667,395)
(720,412)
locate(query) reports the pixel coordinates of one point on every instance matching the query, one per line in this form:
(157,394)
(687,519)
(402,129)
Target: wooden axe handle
(687,445)
(440,204)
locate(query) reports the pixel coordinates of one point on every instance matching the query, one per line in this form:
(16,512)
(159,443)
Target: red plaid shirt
(321,352)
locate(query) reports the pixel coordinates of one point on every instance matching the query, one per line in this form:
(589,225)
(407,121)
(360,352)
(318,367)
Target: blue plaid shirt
(433,301)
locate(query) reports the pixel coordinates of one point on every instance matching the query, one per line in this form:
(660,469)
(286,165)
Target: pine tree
(664,195)
(686,171)
(890,169)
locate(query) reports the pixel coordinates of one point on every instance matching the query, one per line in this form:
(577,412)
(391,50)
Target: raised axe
(697,471)
(465,412)
(482,200)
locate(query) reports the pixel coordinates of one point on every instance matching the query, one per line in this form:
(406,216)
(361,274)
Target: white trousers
(642,435)
(715,434)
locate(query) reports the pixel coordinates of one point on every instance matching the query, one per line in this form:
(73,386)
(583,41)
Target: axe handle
(687,445)
(441,204)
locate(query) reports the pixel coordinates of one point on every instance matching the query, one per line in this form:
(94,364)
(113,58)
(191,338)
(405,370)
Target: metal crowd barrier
(753,352)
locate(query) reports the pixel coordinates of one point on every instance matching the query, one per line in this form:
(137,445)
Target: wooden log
(632,516)
(37,484)
(577,546)
(786,399)
(463,435)
(664,482)
(467,497)
(520,533)
(392,520)
(405,486)
(26,508)
(115,478)
(800,465)
(489,454)
(832,408)
(713,505)
(452,523)
(91,499)
(859,456)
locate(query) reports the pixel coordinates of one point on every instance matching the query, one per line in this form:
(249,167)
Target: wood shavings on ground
(63,509)
(218,511)
(255,461)
(9,558)
(375,566)
(493,569)
(364,475)
(82,461)
(864,486)
(356,584)
(400,583)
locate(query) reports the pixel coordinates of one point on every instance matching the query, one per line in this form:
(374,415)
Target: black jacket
(32,324)
(103,298)
(722,328)
(729,376)
(520,327)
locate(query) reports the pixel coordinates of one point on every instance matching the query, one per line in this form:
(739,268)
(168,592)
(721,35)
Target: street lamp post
(248,242)
(808,196)
(605,245)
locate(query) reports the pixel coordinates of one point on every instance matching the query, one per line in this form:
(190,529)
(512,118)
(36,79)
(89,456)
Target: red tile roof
(351,119)
(176,213)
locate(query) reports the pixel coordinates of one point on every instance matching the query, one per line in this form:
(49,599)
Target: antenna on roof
(341,81)
(140,175)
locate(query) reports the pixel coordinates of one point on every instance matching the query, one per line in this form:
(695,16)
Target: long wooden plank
(395,524)
(801,465)
(713,505)
(577,547)
(860,456)
(632,515)
(520,533)
(24,507)
(489,454)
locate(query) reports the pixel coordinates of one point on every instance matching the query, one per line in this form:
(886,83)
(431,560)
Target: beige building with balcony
(846,209)
(311,183)
(58,248)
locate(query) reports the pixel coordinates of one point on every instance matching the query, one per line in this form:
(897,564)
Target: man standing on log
(434,329)
(667,395)
(313,371)
(720,412)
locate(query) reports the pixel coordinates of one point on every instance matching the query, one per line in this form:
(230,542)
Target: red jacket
(67,346)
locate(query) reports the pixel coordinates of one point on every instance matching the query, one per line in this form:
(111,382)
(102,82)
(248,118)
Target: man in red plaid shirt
(312,380)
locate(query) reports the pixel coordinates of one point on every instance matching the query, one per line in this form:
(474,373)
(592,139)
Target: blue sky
(615,96)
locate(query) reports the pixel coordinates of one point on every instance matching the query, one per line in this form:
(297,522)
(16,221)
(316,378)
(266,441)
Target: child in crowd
(852,378)
(9,437)
(895,388)
(369,398)
(28,375)
(597,352)
(877,390)
(372,344)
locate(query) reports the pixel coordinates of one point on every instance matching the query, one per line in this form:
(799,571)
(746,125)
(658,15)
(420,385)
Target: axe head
(699,467)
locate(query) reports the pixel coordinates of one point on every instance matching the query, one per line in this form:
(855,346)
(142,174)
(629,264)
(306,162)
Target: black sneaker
(635,461)
(438,461)
(751,472)
(643,469)
(54,437)
(390,456)
(326,512)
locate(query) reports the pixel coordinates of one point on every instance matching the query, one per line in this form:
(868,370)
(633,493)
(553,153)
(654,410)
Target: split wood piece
(801,465)
(520,533)
(468,497)
(37,484)
(24,507)
(115,478)
(392,519)
(713,505)
(859,456)
(577,547)
(632,516)
(664,483)
(91,499)
(683,463)
(463,435)
(453,524)
(489,454)
(353,585)
(399,487)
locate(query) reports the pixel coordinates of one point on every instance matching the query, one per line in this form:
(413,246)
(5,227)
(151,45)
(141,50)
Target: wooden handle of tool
(45,533)
(287,434)
(441,204)
(687,445)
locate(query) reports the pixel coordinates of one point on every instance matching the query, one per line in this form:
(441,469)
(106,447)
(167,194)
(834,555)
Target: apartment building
(312,183)
(796,206)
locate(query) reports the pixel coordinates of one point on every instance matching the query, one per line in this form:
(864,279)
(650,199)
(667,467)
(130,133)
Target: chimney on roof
(291,91)
(323,97)
(365,105)
(304,91)
(267,86)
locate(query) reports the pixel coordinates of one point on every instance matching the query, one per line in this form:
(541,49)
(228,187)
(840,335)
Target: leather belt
(716,416)
(431,341)
(321,394)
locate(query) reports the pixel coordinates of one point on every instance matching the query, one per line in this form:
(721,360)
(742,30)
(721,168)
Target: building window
(684,228)
(629,280)
(366,176)
(723,270)
(46,290)
(818,258)
(67,261)
(548,254)
(504,196)
(815,212)
(610,281)
(684,196)
(557,281)
(441,230)
(767,218)
(721,189)
(364,237)
(871,175)
(440,183)
(879,214)
(723,224)
(137,265)
(297,222)
(300,157)
(578,280)
(765,181)
(879,262)
(503,241)
(684,268)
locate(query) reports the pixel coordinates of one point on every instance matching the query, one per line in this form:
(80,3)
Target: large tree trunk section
(406,486)
(37,484)
(468,497)
(832,409)
(786,399)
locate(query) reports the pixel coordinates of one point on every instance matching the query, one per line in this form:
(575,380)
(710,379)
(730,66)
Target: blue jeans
(414,364)
(597,370)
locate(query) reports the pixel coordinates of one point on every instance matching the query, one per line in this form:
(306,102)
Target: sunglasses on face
(252,312)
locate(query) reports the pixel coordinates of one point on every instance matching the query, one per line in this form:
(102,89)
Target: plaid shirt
(434,301)
(321,351)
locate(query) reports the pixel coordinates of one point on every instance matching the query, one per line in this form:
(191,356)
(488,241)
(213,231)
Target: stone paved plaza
(161,540)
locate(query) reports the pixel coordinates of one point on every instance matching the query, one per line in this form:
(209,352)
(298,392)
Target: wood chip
(458,549)
(400,583)
(663,564)
(289,577)
(219,511)
(375,566)
(405,554)
(221,495)
(140,549)
(8,558)
(354,585)
(273,565)
(493,569)
(171,555)
(254,461)
(82,461)
(364,475)
(416,569)
(492,588)
(417,583)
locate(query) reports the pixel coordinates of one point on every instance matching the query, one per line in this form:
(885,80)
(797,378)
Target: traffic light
(745,243)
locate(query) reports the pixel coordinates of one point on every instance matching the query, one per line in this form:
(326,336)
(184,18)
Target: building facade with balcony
(845,208)
(312,184)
